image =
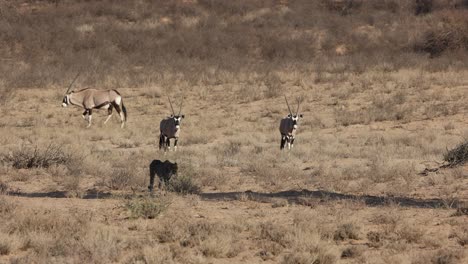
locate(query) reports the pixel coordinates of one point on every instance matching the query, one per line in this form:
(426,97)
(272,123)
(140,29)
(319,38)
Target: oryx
(170,128)
(288,126)
(91,99)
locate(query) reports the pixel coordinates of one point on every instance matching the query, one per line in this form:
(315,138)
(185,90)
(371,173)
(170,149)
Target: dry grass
(378,110)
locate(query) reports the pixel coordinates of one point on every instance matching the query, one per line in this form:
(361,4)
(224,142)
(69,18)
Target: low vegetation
(383,85)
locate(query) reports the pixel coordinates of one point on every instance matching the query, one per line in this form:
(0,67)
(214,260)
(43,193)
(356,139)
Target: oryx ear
(183,116)
(300,115)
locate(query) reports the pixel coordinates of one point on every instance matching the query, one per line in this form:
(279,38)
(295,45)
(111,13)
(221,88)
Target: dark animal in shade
(164,171)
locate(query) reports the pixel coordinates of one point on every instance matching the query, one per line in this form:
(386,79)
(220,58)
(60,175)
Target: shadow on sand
(293,196)
(90,194)
(370,200)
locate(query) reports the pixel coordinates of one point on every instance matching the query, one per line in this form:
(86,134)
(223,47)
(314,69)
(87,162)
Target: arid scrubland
(371,178)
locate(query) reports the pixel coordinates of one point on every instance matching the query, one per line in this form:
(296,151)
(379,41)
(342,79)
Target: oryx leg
(121,114)
(109,113)
(90,116)
(175,143)
(288,139)
(283,140)
(168,144)
(84,114)
(292,142)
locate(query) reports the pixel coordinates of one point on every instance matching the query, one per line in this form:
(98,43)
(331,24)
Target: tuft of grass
(147,207)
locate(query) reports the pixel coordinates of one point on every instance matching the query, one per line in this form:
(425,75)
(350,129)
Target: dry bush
(27,157)
(383,108)
(120,178)
(346,231)
(408,232)
(194,38)
(147,207)
(228,154)
(6,94)
(6,207)
(158,253)
(274,86)
(423,6)
(214,239)
(343,7)
(457,155)
(447,256)
(461,236)
(351,252)
(5,247)
(183,184)
(3,188)
(450,34)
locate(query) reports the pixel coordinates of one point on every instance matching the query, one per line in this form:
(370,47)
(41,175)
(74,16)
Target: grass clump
(120,178)
(183,184)
(346,231)
(458,155)
(147,207)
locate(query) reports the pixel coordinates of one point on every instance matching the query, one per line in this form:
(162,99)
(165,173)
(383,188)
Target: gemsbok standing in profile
(170,128)
(91,99)
(288,126)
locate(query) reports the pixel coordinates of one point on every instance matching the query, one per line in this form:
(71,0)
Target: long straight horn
(71,84)
(180,108)
(288,105)
(171,106)
(298,103)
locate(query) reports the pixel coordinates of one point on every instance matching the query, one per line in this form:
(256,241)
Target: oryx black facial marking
(96,99)
(288,126)
(170,128)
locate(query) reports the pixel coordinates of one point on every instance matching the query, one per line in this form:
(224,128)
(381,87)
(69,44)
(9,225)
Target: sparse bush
(6,207)
(375,239)
(6,93)
(273,84)
(450,34)
(3,188)
(5,247)
(183,184)
(148,207)
(229,153)
(351,252)
(447,256)
(423,6)
(37,157)
(343,7)
(120,178)
(346,231)
(458,155)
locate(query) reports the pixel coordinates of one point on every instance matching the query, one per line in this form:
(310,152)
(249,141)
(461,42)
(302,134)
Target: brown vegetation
(384,98)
